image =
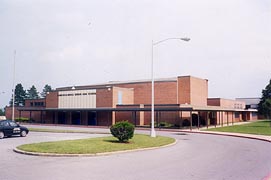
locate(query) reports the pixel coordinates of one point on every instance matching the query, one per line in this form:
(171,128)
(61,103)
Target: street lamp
(153,134)
(13,90)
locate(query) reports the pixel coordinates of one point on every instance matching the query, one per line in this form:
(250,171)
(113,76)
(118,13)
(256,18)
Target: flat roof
(113,83)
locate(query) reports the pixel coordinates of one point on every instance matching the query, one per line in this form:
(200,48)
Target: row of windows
(238,106)
(37,104)
(77,94)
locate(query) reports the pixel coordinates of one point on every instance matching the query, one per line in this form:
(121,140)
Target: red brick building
(178,101)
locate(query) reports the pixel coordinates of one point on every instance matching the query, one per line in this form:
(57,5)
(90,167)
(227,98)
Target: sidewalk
(241,135)
(202,130)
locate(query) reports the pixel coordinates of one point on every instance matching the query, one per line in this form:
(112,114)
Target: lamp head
(185,39)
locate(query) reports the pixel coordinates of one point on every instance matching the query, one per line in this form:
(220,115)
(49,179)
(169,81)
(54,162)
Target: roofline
(192,77)
(249,98)
(114,83)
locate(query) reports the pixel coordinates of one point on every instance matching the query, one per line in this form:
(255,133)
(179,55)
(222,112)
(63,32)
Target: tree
(264,107)
(32,93)
(47,88)
(20,95)
(2,113)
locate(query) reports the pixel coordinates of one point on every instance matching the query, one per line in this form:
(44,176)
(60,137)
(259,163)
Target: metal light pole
(153,134)
(13,86)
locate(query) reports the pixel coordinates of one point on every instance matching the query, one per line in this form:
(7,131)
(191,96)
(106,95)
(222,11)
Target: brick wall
(52,100)
(31,102)
(104,97)
(104,118)
(35,115)
(165,92)
(126,93)
(199,91)
(192,90)
(226,103)
(184,90)
(213,101)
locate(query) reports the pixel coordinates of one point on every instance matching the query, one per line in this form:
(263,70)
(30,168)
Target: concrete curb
(239,136)
(247,136)
(89,155)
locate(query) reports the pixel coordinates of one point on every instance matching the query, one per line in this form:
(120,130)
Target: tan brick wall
(232,104)
(192,90)
(226,103)
(127,95)
(199,91)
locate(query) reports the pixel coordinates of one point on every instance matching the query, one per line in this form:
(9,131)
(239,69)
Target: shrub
(166,124)
(22,119)
(186,122)
(123,131)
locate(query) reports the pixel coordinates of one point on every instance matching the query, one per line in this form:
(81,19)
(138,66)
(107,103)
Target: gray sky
(81,42)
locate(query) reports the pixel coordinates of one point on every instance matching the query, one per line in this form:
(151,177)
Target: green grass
(96,145)
(258,128)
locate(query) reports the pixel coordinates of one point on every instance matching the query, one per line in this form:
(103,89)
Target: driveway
(194,157)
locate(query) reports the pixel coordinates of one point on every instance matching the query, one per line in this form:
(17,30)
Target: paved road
(194,157)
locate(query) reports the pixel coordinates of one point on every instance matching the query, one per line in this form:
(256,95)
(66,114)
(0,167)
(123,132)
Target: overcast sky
(82,42)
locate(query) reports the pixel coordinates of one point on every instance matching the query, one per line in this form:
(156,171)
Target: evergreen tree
(264,107)
(47,88)
(32,93)
(20,95)
(2,113)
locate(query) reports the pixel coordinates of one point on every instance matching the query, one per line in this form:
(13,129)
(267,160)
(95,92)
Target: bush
(22,119)
(123,131)
(186,122)
(165,124)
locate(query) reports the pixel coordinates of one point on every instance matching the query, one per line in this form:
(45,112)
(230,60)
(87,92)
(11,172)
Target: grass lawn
(96,145)
(258,127)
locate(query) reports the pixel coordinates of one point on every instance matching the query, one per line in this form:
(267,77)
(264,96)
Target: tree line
(264,107)
(32,93)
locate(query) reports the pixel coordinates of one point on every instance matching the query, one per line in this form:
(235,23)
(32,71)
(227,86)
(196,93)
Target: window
(36,104)
(4,123)
(119,97)
(13,124)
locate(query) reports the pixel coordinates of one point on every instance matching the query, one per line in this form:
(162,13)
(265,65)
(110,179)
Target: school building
(179,101)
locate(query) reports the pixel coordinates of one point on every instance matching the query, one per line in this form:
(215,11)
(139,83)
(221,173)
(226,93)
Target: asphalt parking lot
(195,156)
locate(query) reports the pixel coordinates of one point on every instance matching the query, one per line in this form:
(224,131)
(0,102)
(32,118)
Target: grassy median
(258,128)
(96,145)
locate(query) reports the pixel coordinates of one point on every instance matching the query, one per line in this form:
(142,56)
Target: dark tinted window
(4,123)
(13,123)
